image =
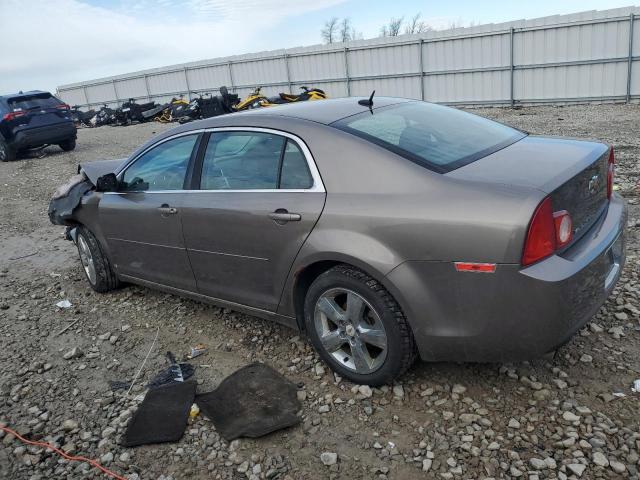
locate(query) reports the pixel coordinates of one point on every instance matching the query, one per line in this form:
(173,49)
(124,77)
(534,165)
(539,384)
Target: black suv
(34,119)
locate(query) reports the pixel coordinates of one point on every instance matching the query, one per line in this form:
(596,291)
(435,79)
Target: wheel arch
(307,274)
(303,281)
(87,215)
(106,278)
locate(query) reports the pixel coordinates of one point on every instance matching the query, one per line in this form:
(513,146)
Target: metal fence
(581,57)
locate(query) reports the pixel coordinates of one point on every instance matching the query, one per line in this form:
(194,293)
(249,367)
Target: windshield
(437,137)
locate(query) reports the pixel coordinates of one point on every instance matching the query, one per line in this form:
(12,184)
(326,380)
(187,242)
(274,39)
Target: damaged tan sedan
(385,229)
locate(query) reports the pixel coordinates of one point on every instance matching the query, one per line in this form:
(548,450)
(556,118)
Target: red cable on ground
(61,453)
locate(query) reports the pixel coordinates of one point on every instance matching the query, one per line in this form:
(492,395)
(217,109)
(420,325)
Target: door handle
(165,210)
(282,216)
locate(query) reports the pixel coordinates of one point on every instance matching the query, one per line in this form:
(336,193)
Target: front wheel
(357,327)
(96,265)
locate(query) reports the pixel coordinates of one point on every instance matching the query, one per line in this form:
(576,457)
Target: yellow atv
(257,99)
(254,100)
(307,94)
(176,109)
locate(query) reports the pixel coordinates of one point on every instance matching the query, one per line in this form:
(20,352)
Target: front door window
(162,168)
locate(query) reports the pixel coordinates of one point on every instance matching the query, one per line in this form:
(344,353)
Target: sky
(56,42)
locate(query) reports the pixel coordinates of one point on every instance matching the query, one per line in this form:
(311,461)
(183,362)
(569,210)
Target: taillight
(541,237)
(13,115)
(548,231)
(610,172)
(63,106)
(564,227)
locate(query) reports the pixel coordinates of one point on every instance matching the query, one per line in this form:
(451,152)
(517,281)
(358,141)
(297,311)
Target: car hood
(94,170)
(543,163)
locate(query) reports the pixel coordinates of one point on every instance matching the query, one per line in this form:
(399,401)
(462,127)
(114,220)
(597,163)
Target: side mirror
(107,183)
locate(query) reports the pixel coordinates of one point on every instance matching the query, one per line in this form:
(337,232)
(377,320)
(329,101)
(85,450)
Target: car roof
(282,116)
(320,111)
(30,93)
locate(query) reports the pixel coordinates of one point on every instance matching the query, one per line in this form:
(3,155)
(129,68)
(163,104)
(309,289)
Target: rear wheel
(68,145)
(7,153)
(357,327)
(95,263)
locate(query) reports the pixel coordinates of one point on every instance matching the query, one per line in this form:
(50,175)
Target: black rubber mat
(162,416)
(252,402)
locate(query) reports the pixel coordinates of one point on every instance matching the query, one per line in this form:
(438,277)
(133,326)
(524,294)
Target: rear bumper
(514,313)
(50,134)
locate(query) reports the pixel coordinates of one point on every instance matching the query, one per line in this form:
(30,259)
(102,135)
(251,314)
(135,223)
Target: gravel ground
(570,416)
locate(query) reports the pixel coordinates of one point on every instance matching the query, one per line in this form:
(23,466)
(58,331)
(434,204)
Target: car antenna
(369,102)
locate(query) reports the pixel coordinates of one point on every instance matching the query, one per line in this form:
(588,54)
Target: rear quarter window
(436,137)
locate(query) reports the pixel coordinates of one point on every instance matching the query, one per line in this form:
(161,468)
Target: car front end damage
(513,312)
(68,197)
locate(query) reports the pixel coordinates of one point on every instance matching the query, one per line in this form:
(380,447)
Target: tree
(330,31)
(393,28)
(346,32)
(456,24)
(417,26)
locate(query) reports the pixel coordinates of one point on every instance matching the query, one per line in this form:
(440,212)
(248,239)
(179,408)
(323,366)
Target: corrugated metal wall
(586,56)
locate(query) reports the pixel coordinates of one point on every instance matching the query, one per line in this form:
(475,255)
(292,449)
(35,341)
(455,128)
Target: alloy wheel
(350,330)
(87,259)
(3,153)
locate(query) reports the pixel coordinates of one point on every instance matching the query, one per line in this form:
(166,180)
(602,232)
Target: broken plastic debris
(64,304)
(254,401)
(196,351)
(618,394)
(636,386)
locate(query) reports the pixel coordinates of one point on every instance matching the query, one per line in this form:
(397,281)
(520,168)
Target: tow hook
(71,233)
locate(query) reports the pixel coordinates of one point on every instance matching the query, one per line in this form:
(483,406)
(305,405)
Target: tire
(371,342)
(96,265)
(68,145)
(7,153)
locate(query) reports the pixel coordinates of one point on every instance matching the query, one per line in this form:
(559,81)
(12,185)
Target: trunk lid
(573,172)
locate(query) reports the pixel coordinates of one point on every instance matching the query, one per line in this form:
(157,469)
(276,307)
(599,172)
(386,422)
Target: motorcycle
(258,100)
(80,118)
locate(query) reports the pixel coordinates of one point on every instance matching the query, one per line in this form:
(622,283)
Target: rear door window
(242,161)
(437,137)
(247,160)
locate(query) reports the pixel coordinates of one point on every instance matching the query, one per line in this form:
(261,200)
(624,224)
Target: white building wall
(579,57)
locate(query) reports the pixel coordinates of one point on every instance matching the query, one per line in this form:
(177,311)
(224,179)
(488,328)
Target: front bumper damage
(67,198)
